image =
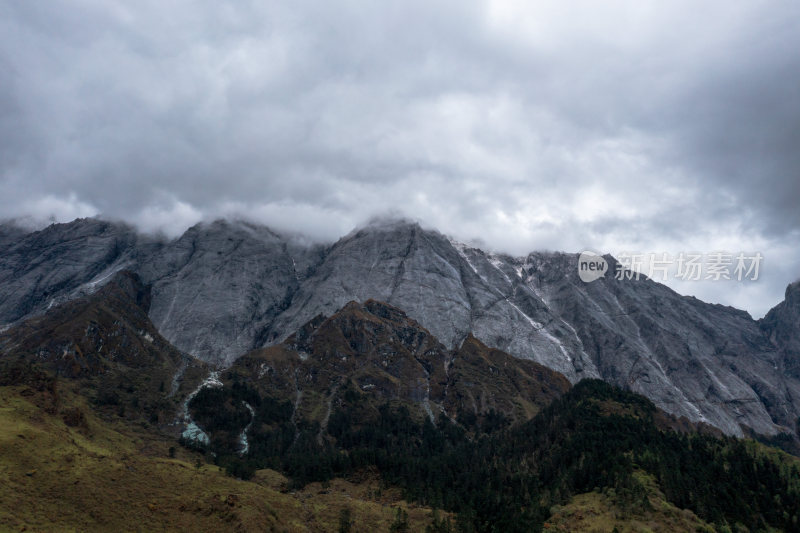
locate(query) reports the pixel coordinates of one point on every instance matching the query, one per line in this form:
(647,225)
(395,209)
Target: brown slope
(105,345)
(111,475)
(64,468)
(480,379)
(374,352)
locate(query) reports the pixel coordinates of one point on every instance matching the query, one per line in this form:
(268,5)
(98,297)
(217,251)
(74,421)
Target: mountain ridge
(224,288)
(106,345)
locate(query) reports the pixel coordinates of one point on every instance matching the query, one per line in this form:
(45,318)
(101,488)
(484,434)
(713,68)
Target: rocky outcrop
(61,262)
(781,325)
(217,287)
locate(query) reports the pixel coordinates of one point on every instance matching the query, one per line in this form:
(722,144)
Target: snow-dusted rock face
(217,287)
(707,362)
(449,289)
(224,288)
(41,269)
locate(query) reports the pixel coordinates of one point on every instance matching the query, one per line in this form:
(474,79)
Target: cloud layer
(646,125)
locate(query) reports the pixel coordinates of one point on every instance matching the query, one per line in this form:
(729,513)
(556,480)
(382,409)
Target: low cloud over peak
(622,126)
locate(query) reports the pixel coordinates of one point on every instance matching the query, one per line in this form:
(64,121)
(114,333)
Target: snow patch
(577,338)
(426,402)
(539,294)
(542,331)
(93,285)
(176,379)
(536,325)
(557,342)
(193,432)
(460,248)
(497,263)
(244,445)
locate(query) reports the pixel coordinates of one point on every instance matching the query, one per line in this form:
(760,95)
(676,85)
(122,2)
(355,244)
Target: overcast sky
(648,126)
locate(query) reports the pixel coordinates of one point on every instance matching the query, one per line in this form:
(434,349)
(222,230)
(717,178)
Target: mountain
(372,353)
(106,344)
(369,389)
(91,399)
(441,286)
(213,290)
(218,286)
(225,288)
(359,408)
(592,446)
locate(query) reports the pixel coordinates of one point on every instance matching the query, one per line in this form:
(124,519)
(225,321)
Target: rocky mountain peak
(386,224)
(781,325)
(792,295)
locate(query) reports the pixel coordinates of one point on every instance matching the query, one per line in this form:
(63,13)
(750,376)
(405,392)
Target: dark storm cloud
(621,125)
